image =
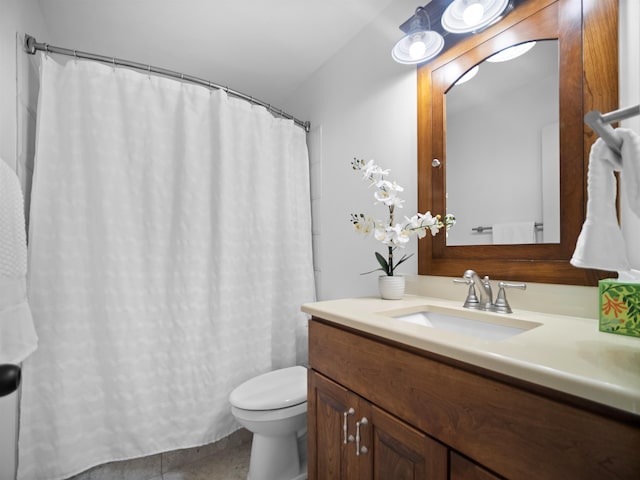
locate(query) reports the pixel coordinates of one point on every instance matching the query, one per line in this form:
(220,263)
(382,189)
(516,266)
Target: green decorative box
(620,307)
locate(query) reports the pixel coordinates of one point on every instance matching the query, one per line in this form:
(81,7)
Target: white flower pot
(391,288)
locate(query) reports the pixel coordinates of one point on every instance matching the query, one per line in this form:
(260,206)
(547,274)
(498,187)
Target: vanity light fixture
(511,52)
(468,76)
(465,16)
(420,43)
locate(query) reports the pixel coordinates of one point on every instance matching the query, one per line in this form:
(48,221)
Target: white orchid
(371,171)
(392,234)
(388,197)
(382,235)
(420,223)
(363,223)
(400,235)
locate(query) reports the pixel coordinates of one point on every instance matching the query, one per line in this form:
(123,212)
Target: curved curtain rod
(31,45)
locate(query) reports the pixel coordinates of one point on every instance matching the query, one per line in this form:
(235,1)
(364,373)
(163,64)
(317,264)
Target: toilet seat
(269,415)
(274,390)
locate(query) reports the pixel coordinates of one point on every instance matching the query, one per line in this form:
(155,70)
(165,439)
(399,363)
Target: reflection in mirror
(502,151)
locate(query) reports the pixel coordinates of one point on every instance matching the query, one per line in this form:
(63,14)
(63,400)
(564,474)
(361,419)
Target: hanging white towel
(630,173)
(600,244)
(514,233)
(630,201)
(17,334)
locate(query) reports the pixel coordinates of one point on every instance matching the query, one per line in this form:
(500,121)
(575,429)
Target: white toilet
(273,406)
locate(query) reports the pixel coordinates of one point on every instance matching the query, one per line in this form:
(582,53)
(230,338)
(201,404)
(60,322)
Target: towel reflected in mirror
(514,233)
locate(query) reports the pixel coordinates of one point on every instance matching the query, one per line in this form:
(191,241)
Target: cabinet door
(351,439)
(331,451)
(401,452)
(463,469)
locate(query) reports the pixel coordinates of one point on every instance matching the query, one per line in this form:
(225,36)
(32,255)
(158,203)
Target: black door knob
(9,379)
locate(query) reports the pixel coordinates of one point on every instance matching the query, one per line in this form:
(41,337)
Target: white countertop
(565,353)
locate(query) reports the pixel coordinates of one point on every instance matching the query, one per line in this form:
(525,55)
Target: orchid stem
(390,272)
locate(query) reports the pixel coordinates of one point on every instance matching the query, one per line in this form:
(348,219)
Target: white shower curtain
(169,254)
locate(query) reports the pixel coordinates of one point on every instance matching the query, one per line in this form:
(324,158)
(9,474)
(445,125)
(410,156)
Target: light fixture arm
(417,22)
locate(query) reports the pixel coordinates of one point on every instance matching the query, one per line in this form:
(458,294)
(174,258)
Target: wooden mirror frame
(587,31)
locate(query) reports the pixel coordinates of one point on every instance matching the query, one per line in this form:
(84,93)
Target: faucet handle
(502,305)
(472,299)
(487,286)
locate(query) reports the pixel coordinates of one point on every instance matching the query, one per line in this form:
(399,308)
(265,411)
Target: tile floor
(227,459)
(232,463)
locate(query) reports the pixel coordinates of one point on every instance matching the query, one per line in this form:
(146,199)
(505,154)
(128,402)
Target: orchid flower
(393,235)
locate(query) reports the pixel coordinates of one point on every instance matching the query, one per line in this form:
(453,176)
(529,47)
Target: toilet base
(275,458)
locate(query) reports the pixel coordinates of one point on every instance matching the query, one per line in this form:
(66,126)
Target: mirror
(509,162)
(585,35)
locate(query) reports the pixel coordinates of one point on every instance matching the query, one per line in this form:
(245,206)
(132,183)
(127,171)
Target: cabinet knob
(363,449)
(347,437)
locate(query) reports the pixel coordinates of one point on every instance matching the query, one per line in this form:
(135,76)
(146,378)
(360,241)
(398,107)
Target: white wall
(15,16)
(361,103)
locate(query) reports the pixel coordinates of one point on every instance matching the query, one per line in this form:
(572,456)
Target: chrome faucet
(480,296)
(483,290)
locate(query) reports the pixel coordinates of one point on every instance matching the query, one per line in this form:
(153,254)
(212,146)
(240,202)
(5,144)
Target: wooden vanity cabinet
(464,469)
(428,419)
(353,439)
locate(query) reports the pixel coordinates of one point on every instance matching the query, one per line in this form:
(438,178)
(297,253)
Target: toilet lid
(273,390)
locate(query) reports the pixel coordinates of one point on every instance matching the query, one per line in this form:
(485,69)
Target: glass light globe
(511,52)
(465,16)
(468,76)
(417,48)
(473,13)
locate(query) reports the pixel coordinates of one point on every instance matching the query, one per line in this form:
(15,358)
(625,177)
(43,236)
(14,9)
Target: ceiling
(264,48)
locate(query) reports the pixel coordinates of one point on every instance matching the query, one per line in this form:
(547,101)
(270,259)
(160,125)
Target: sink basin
(485,328)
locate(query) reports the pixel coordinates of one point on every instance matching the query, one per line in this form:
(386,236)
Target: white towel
(630,174)
(18,337)
(630,201)
(601,244)
(515,232)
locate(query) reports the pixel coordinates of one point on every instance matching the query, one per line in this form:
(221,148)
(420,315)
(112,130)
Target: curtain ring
(75,55)
(113,63)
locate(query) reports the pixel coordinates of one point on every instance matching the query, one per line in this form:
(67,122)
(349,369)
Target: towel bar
(599,123)
(480,229)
